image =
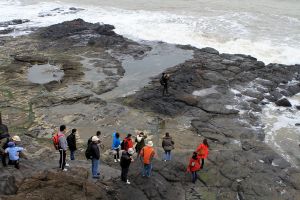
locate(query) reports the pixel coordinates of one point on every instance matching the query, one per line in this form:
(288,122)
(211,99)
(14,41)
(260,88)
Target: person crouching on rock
(71,139)
(194,166)
(147,154)
(202,151)
(14,151)
(95,156)
(126,159)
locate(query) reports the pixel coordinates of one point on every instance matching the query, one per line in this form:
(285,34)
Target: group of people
(144,151)
(9,148)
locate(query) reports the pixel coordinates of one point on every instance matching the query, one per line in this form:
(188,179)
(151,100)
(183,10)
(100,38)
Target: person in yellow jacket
(147,153)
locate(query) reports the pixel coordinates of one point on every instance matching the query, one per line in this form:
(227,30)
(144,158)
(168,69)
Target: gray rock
(13,22)
(210,50)
(6,31)
(283,102)
(7,184)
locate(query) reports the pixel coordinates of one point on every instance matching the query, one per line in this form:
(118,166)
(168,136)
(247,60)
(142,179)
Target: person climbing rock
(116,146)
(164,82)
(62,147)
(4,139)
(127,143)
(126,160)
(13,151)
(147,154)
(71,139)
(140,142)
(168,146)
(202,151)
(194,166)
(95,157)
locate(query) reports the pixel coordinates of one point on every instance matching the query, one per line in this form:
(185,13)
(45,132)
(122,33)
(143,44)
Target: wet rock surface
(212,95)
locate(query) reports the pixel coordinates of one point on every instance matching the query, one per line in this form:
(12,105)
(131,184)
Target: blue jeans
(95,167)
(167,155)
(194,176)
(72,155)
(147,170)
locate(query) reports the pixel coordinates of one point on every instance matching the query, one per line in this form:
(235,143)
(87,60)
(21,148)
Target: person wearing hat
(126,159)
(95,157)
(14,151)
(147,153)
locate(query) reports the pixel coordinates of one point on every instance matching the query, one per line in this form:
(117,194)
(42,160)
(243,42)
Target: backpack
(55,140)
(5,144)
(123,144)
(88,152)
(162,81)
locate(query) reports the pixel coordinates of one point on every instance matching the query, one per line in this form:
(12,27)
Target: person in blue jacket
(14,151)
(116,146)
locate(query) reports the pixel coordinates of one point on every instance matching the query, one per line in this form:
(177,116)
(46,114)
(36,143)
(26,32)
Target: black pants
(3,159)
(165,89)
(202,163)
(138,150)
(62,158)
(117,156)
(124,174)
(15,163)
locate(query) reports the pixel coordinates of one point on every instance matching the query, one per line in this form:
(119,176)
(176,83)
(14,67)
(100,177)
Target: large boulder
(75,27)
(283,102)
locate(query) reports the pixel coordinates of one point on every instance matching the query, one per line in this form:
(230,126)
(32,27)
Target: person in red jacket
(128,143)
(194,166)
(202,151)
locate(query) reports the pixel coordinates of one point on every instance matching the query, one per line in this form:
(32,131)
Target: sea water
(266,29)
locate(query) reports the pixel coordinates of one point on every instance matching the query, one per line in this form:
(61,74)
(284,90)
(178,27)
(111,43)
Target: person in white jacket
(140,142)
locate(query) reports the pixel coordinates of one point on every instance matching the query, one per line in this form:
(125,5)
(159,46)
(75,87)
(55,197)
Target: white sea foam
(206,91)
(280,129)
(230,32)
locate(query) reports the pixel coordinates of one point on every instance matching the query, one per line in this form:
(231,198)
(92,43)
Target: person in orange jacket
(147,154)
(194,166)
(202,151)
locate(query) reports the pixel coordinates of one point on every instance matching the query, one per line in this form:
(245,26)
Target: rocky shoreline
(215,96)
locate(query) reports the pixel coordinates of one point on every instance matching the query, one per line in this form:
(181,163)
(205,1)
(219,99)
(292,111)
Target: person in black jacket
(4,139)
(95,156)
(126,159)
(164,82)
(71,139)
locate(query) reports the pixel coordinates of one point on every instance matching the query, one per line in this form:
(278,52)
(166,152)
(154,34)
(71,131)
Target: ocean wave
(228,32)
